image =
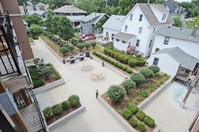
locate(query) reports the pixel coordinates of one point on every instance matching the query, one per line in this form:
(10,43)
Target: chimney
(194,30)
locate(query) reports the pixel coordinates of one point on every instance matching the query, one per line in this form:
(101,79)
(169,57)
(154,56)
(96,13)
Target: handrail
(39,112)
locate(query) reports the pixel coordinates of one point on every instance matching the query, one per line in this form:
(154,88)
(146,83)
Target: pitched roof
(124,36)
(40,13)
(150,16)
(75,18)
(114,22)
(179,33)
(92,16)
(185,60)
(69,9)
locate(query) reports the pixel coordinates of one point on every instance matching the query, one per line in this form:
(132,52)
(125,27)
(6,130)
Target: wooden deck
(31,117)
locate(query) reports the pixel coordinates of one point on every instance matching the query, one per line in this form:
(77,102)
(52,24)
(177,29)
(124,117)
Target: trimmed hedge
(133,122)
(140,115)
(74,100)
(138,78)
(57,109)
(133,108)
(48,113)
(141,127)
(126,113)
(116,64)
(65,105)
(147,73)
(149,121)
(123,57)
(155,69)
(116,93)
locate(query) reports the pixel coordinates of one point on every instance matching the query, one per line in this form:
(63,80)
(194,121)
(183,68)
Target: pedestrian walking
(97,94)
(102,63)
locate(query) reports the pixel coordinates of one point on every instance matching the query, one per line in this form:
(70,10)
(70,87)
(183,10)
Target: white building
(112,26)
(141,22)
(175,62)
(186,39)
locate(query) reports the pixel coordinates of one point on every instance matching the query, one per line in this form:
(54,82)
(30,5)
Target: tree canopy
(32,19)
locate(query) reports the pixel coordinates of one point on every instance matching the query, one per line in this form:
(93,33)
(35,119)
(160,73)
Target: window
(166,40)
(123,42)
(150,43)
(117,40)
(164,17)
(153,30)
(140,19)
(112,36)
(155,61)
(131,17)
(90,28)
(140,30)
(137,42)
(125,30)
(157,49)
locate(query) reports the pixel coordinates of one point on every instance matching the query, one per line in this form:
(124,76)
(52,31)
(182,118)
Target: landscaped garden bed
(42,73)
(124,97)
(58,111)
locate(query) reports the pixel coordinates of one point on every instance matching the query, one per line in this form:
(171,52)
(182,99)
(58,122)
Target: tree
(65,28)
(116,93)
(177,21)
(32,19)
(35,31)
(128,85)
(58,3)
(52,23)
(193,23)
(64,50)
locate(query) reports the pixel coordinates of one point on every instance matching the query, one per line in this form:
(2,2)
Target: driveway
(95,118)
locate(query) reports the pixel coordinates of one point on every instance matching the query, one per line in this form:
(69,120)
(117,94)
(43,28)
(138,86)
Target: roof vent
(194,29)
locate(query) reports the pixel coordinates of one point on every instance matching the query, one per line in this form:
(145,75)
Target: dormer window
(164,17)
(140,19)
(131,17)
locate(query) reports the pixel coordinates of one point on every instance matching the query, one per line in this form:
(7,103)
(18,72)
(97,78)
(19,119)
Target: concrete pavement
(95,118)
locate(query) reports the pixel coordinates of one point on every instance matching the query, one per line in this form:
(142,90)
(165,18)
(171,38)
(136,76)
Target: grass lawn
(52,45)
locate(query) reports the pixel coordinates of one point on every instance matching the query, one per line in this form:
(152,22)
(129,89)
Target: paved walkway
(95,118)
(166,111)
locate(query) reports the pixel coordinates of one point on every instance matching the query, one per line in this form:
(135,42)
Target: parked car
(84,35)
(88,38)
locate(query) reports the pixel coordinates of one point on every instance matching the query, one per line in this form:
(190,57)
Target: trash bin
(87,54)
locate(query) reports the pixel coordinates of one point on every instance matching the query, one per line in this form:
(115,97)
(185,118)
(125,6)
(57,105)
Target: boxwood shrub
(116,93)
(57,109)
(126,113)
(147,73)
(140,115)
(48,113)
(133,122)
(74,100)
(129,71)
(155,69)
(138,78)
(133,108)
(149,121)
(141,127)
(65,105)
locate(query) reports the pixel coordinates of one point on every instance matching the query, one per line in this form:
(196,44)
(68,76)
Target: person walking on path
(102,63)
(97,94)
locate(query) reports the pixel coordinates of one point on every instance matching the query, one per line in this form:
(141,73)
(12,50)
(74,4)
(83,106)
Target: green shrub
(133,122)
(57,109)
(74,40)
(140,115)
(138,78)
(147,73)
(132,62)
(64,50)
(65,105)
(149,121)
(128,85)
(129,71)
(116,93)
(133,108)
(38,82)
(48,113)
(124,68)
(120,66)
(144,93)
(126,113)
(74,100)
(140,62)
(93,44)
(141,127)
(155,69)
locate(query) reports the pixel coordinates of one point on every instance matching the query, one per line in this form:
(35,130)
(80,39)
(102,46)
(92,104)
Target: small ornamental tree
(155,69)
(74,100)
(116,93)
(93,44)
(147,73)
(64,50)
(128,85)
(80,46)
(138,78)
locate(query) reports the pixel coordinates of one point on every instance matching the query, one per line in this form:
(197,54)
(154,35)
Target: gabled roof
(159,7)
(114,22)
(75,18)
(185,60)
(124,36)
(40,13)
(179,33)
(69,9)
(92,16)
